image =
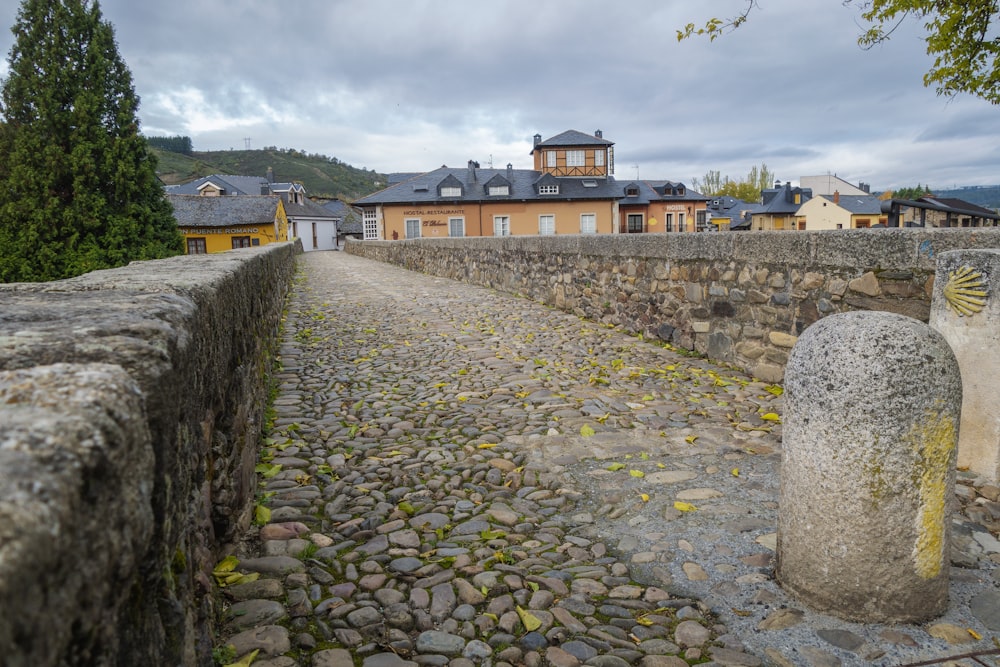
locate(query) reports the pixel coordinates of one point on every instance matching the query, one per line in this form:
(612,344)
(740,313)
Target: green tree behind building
(78,185)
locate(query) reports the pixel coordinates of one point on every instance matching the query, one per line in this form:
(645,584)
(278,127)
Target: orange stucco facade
(517,218)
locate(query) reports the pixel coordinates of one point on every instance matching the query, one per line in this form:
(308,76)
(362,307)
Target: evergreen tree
(78,185)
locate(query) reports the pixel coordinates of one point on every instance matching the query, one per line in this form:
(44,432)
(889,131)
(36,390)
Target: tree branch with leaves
(963,36)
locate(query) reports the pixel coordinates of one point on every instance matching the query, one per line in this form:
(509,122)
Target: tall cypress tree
(78,185)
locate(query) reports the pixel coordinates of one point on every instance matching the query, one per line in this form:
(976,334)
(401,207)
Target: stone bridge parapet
(131,407)
(739,298)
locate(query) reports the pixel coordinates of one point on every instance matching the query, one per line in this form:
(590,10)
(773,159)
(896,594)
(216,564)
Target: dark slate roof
(671,191)
(307,209)
(423,188)
(400,176)
(732,208)
(572,138)
(781,200)
(199,211)
(960,205)
(243,185)
(286,187)
(857,204)
(336,208)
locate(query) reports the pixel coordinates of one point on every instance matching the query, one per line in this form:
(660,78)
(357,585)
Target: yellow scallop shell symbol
(963,292)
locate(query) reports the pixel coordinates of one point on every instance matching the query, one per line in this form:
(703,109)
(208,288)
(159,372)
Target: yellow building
(779,208)
(838,211)
(215,224)
(571,190)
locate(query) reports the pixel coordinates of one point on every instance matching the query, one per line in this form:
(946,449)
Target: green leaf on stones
(644,456)
(637,473)
(533,586)
(492,617)
(614,467)
(491,534)
(586,431)
(528,620)
(485,591)
(247,659)
(775,389)
(407,507)
(261,515)
(267,471)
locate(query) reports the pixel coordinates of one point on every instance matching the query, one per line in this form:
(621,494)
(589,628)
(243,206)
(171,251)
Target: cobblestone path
(461,477)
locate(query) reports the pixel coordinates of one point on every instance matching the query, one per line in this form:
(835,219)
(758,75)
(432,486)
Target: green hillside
(322,176)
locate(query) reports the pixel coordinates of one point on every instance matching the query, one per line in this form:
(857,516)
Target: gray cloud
(410,86)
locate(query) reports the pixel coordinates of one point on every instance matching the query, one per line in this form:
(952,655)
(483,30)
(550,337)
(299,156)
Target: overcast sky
(395,85)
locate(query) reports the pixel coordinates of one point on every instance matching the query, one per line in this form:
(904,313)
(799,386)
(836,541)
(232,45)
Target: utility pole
(246,142)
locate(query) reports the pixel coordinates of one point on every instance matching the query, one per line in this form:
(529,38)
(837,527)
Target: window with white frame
(576,158)
(451,191)
(413,228)
(680,223)
(668,221)
(598,158)
(499,190)
(546,225)
(370,222)
(550,158)
(456,226)
(588,223)
(548,189)
(501,225)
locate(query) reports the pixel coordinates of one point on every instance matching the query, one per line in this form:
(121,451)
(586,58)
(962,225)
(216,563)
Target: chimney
(836,196)
(538,139)
(599,134)
(510,172)
(472,171)
(270,175)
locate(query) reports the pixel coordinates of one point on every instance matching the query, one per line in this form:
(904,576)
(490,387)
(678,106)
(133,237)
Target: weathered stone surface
(188,337)
(872,408)
(972,328)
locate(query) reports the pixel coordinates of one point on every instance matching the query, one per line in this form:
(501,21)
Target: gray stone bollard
(966,311)
(872,405)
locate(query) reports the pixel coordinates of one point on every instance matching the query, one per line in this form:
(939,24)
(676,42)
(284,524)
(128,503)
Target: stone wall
(740,298)
(131,407)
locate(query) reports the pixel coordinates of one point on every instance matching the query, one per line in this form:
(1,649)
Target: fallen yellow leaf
(683,506)
(975,635)
(247,659)
(616,466)
(771,417)
(637,473)
(735,472)
(529,620)
(690,439)
(645,497)
(486,445)
(586,431)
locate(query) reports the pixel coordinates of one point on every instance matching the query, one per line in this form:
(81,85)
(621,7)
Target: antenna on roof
(636,171)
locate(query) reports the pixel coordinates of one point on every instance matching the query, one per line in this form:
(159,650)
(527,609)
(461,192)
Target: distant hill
(987,196)
(322,176)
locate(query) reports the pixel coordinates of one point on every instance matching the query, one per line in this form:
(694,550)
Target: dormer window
(632,191)
(499,190)
(451,191)
(548,189)
(680,191)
